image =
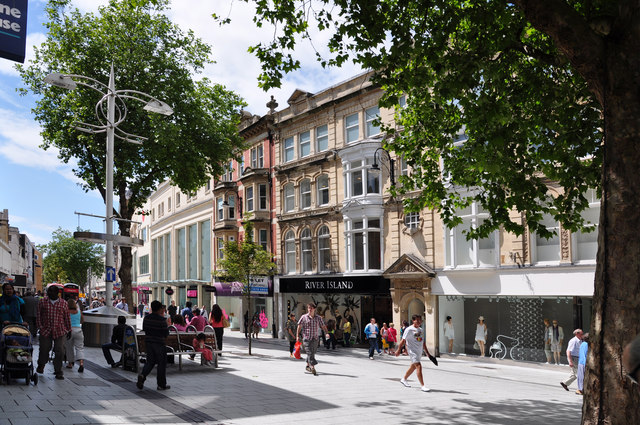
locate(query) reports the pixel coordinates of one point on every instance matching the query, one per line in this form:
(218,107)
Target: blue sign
(110,273)
(13,29)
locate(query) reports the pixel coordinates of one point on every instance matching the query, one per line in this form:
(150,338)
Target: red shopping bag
(296,350)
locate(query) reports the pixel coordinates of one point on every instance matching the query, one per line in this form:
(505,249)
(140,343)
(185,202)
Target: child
(198,345)
(19,353)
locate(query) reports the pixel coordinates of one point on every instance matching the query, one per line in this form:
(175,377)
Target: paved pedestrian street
(271,388)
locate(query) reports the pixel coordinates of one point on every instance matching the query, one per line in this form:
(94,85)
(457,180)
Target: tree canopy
(149,54)
(70,260)
(545,93)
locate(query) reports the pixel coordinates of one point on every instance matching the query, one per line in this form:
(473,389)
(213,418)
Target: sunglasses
(632,375)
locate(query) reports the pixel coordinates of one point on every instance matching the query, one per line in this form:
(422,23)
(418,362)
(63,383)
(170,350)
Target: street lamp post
(109,124)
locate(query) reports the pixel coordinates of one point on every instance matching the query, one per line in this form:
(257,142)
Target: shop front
(514,304)
(229,296)
(337,297)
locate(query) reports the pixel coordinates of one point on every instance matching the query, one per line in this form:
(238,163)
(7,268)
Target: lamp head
(60,80)
(158,107)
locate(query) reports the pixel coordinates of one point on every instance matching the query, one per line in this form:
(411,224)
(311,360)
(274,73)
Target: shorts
(556,347)
(415,357)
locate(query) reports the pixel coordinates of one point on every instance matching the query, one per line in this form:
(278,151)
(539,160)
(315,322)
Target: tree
(151,55)
(244,260)
(70,260)
(546,92)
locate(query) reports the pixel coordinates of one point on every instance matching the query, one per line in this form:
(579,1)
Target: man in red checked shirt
(309,324)
(54,323)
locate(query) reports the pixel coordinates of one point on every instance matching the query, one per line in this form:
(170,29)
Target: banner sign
(13,29)
(335,284)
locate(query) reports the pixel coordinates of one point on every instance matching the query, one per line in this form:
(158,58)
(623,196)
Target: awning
(260,287)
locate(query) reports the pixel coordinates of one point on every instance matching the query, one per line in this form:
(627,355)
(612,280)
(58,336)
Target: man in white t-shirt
(413,338)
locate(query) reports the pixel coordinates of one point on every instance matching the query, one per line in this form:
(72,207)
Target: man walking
(31,312)
(573,353)
(122,305)
(413,338)
(54,322)
(371,331)
(155,334)
(309,324)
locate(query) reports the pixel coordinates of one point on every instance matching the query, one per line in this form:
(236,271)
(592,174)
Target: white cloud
(38,233)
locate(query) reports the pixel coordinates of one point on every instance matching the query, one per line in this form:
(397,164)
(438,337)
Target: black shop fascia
(334,284)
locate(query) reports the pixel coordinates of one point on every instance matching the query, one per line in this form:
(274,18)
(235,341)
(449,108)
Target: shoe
(547,363)
(40,369)
(564,386)
(69,365)
(313,370)
(424,389)
(308,369)
(405,383)
(59,376)
(579,392)
(166,387)
(433,360)
(371,357)
(81,369)
(379,353)
(140,383)
(114,365)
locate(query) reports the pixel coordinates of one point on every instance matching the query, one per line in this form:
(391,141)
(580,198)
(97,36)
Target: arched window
(307,254)
(289,198)
(322,183)
(290,252)
(324,249)
(305,194)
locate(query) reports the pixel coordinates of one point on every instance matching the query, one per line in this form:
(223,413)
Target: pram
(16,354)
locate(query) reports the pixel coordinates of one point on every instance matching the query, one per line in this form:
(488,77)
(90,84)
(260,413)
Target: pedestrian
(403,349)
(371,331)
(186,312)
(216,319)
(11,306)
(573,355)
(582,362)
(392,338)
(198,321)
(203,312)
(30,312)
(308,325)
(331,340)
(141,308)
(413,339)
(122,305)
(54,324)
(255,325)
(449,333)
(631,360)
(155,336)
(481,335)
(75,344)
(547,340)
(290,328)
(117,340)
(245,324)
(346,333)
(172,309)
(384,333)
(556,340)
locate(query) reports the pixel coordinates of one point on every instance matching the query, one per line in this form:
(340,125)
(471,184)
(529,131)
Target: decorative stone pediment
(409,265)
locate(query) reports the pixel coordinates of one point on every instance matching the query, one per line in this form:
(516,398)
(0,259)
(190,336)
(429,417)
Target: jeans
(311,347)
(219,332)
(373,346)
(75,345)
(347,339)
(331,341)
(156,355)
(58,348)
(106,350)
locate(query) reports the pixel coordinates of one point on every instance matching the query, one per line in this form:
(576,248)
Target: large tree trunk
(126,259)
(609,397)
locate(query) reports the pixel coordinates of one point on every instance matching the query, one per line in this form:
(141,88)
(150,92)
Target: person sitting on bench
(117,338)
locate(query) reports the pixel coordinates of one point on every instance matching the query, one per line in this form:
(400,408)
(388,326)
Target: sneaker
(308,368)
(166,387)
(59,376)
(424,389)
(379,353)
(564,386)
(114,365)
(140,383)
(313,370)
(371,357)
(405,383)
(81,369)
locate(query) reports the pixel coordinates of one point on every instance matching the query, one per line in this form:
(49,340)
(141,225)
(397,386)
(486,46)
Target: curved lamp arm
(376,167)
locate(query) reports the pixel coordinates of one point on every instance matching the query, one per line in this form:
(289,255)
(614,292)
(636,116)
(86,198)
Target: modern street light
(115,114)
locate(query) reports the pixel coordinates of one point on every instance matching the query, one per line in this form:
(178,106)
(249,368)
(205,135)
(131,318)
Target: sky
(41,192)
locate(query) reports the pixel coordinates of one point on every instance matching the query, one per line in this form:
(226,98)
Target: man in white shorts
(413,338)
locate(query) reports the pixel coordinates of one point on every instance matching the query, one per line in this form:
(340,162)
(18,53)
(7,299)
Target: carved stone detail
(565,237)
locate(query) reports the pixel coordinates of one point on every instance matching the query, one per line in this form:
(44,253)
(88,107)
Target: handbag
(476,346)
(225,322)
(296,350)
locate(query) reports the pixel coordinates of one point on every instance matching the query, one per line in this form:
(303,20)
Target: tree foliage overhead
(528,116)
(69,260)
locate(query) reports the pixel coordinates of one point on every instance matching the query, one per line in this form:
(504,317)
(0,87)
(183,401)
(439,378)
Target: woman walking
(75,344)
(11,306)
(216,319)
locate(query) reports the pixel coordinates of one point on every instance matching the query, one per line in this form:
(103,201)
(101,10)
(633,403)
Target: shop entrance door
(416,306)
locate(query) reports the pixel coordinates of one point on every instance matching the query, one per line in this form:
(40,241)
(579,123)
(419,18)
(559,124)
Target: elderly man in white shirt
(573,352)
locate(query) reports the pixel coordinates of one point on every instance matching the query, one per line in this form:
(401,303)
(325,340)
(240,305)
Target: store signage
(168,291)
(13,29)
(335,284)
(192,293)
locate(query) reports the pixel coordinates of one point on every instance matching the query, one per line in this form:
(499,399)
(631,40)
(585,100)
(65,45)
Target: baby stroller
(16,354)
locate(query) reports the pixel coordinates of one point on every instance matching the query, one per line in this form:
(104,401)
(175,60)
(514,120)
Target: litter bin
(99,322)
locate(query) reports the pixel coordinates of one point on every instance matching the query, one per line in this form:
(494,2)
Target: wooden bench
(179,344)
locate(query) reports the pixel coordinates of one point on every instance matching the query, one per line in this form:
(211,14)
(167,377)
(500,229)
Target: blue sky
(42,194)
